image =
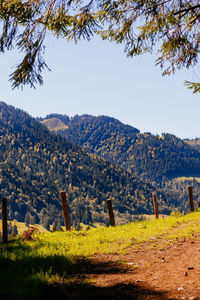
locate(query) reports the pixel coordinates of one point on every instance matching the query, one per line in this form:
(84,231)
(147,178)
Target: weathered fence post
(65,210)
(4,220)
(110,212)
(198,202)
(191,198)
(155,205)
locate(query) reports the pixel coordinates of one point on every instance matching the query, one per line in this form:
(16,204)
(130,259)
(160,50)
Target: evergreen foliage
(151,157)
(35,165)
(27,219)
(171,26)
(14,230)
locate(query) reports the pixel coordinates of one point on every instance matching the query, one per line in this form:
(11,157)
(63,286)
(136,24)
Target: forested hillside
(152,157)
(36,164)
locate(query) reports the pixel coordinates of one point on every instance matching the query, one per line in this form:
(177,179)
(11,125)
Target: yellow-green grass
(21,227)
(183,178)
(25,268)
(116,239)
(54,124)
(152,217)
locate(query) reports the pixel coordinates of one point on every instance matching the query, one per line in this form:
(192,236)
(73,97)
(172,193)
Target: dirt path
(148,273)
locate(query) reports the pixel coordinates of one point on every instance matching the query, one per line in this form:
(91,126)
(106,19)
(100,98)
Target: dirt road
(146,273)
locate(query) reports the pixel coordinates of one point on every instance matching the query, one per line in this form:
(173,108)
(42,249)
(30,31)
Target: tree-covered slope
(36,164)
(149,156)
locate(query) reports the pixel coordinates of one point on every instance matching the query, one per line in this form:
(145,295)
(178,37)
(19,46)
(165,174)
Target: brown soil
(146,273)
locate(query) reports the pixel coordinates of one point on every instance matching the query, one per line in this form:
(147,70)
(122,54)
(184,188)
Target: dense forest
(35,165)
(151,157)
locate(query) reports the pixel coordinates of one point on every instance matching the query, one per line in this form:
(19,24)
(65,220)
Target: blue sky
(97,78)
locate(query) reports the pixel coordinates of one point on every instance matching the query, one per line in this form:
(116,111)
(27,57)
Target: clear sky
(97,78)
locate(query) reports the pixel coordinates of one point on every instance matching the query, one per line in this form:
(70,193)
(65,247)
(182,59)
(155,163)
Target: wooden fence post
(198,202)
(65,210)
(191,198)
(110,212)
(155,205)
(4,220)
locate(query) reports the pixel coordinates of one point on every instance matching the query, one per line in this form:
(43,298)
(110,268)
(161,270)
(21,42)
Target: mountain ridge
(36,164)
(151,157)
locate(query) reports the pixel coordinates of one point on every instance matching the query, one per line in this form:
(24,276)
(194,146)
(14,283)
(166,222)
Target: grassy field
(21,227)
(26,268)
(187,178)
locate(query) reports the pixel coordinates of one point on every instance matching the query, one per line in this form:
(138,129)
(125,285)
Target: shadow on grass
(25,276)
(90,292)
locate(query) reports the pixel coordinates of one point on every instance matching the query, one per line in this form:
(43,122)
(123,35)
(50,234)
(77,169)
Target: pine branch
(186,10)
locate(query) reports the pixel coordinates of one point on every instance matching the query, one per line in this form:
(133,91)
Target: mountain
(36,164)
(151,157)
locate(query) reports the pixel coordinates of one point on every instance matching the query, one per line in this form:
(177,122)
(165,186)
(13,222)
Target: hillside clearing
(187,178)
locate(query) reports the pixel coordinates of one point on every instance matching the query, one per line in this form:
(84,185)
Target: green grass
(26,268)
(21,227)
(183,178)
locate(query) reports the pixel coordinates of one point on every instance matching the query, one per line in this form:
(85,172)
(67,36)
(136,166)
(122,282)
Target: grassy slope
(187,178)
(54,124)
(21,227)
(26,268)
